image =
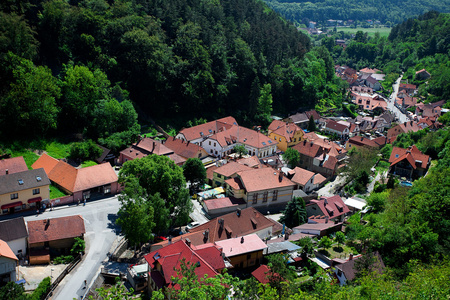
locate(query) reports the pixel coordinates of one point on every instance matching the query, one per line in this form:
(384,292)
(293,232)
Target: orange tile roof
(94,176)
(287,130)
(152,146)
(239,134)
(251,161)
(318,179)
(302,176)
(231,168)
(184,149)
(45,161)
(13,165)
(412,155)
(6,251)
(263,179)
(55,229)
(209,128)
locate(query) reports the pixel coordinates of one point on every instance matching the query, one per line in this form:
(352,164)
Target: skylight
(210,131)
(20,181)
(396,155)
(270,141)
(264,143)
(38,178)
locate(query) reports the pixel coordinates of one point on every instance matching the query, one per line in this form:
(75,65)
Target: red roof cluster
(412,155)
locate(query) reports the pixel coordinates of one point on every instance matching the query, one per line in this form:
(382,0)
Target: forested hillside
(417,43)
(74,65)
(302,12)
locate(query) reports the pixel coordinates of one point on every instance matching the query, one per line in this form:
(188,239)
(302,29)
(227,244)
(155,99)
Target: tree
(325,242)
(295,213)
(340,238)
(311,125)
(307,246)
(241,150)
(78,247)
(87,150)
(135,217)
(12,291)
(292,157)
(264,108)
(117,292)
(159,174)
(194,171)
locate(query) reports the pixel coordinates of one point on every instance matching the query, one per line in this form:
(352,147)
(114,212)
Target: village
(235,223)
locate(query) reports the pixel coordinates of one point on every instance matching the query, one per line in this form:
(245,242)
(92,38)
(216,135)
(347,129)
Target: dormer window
(38,178)
(20,181)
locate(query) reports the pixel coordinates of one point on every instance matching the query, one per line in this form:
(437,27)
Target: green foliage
(88,163)
(117,292)
(325,242)
(377,201)
(295,213)
(241,150)
(87,150)
(55,192)
(292,157)
(29,157)
(311,124)
(63,259)
(264,107)
(307,246)
(386,151)
(194,171)
(41,290)
(78,246)
(340,237)
(12,291)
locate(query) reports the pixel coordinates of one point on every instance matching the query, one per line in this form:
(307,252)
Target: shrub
(63,259)
(41,290)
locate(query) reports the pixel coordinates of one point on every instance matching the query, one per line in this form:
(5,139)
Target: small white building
(15,234)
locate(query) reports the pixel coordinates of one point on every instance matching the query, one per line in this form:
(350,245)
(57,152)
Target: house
(369,102)
(8,264)
(23,190)
(333,208)
(264,189)
(408,88)
(197,134)
(219,206)
(373,83)
(369,71)
(359,142)
(15,234)
(307,180)
(422,74)
(430,110)
(347,271)
(227,171)
(81,183)
(165,263)
(409,163)
(53,237)
(286,134)
(243,252)
(359,89)
(239,223)
(146,146)
(403,128)
(317,229)
(222,143)
(12,165)
(334,127)
(185,149)
(262,274)
(299,119)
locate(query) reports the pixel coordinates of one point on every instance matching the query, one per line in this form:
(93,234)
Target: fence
(66,271)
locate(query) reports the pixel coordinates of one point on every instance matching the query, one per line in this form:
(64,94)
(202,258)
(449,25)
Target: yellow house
(23,190)
(286,134)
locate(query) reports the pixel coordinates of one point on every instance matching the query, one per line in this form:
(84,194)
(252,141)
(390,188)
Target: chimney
(154,145)
(170,240)
(221,223)
(173,139)
(242,240)
(206,233)
(188,143)
(411,123)
(326,219)
(350,257)
(238,212)
(286,236)
(188,242)
(280,176)
(7,171)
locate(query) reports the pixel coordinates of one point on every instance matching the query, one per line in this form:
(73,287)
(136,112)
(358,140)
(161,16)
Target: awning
(14,204)
(37,199)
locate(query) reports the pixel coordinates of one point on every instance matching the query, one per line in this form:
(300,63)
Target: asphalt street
(101,232)
(390,103)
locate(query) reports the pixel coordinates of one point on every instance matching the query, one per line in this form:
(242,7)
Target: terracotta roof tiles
(13,165)
(55,229)
(5,251)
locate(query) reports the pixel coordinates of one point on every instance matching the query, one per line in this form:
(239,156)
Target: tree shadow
(324,252)
(112,223)
(338,249)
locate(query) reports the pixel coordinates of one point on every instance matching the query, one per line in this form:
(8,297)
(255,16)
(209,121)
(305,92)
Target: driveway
(391,101)
(101,232)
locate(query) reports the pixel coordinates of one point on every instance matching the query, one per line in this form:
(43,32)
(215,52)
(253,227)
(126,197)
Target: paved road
(390,103)
(101,231)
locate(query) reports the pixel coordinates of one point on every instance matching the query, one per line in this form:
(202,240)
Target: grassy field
(55,192)
(88,163)
(57,150)
(28,156)
(384,31)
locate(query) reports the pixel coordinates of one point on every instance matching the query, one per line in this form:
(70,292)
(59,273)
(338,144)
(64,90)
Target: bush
(41,290)
(87,150)
(78,246)
(63,259)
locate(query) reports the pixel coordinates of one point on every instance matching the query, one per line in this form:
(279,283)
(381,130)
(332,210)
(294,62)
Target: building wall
(24,196)
(282,143)
(213,148)
(17,245)
(62,244)
(283,197)
(247,260)
(8,266)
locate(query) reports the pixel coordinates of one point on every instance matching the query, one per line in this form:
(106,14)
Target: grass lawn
(88,163)
(384,31)
(57,150)
(55,192)
(382,166)
(29,156)
(337,252)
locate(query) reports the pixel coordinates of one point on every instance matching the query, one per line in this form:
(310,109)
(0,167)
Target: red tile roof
(263,179)
(251,161)
(94,176)
(209,128)
(403,128)
(287,130)
(319,179)
(302,176)
(331,124)
(212,204)
(239,134)
(262,274)
(407,86)
(55,229)
(13,165)
(241,245)
(412,155)
(231,168)
(362,141)
(331,206)
(5,251)
(170,258)
(237,225)
(184,149)
(309,149)
(212,255)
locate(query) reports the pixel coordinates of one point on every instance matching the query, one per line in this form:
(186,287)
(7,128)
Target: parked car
(160,239)
(192,225)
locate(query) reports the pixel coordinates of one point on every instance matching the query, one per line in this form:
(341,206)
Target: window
(36,191)
(249,256)
(255,198)
(295,140)
(265,196)
(14,196)
(275,195)
(214,144)
(20,181)
(210,143)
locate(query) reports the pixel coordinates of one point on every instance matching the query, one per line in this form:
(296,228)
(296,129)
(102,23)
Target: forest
(70,67)
(388,12)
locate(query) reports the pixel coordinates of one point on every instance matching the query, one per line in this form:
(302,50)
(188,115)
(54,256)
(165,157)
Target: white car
(192,225)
